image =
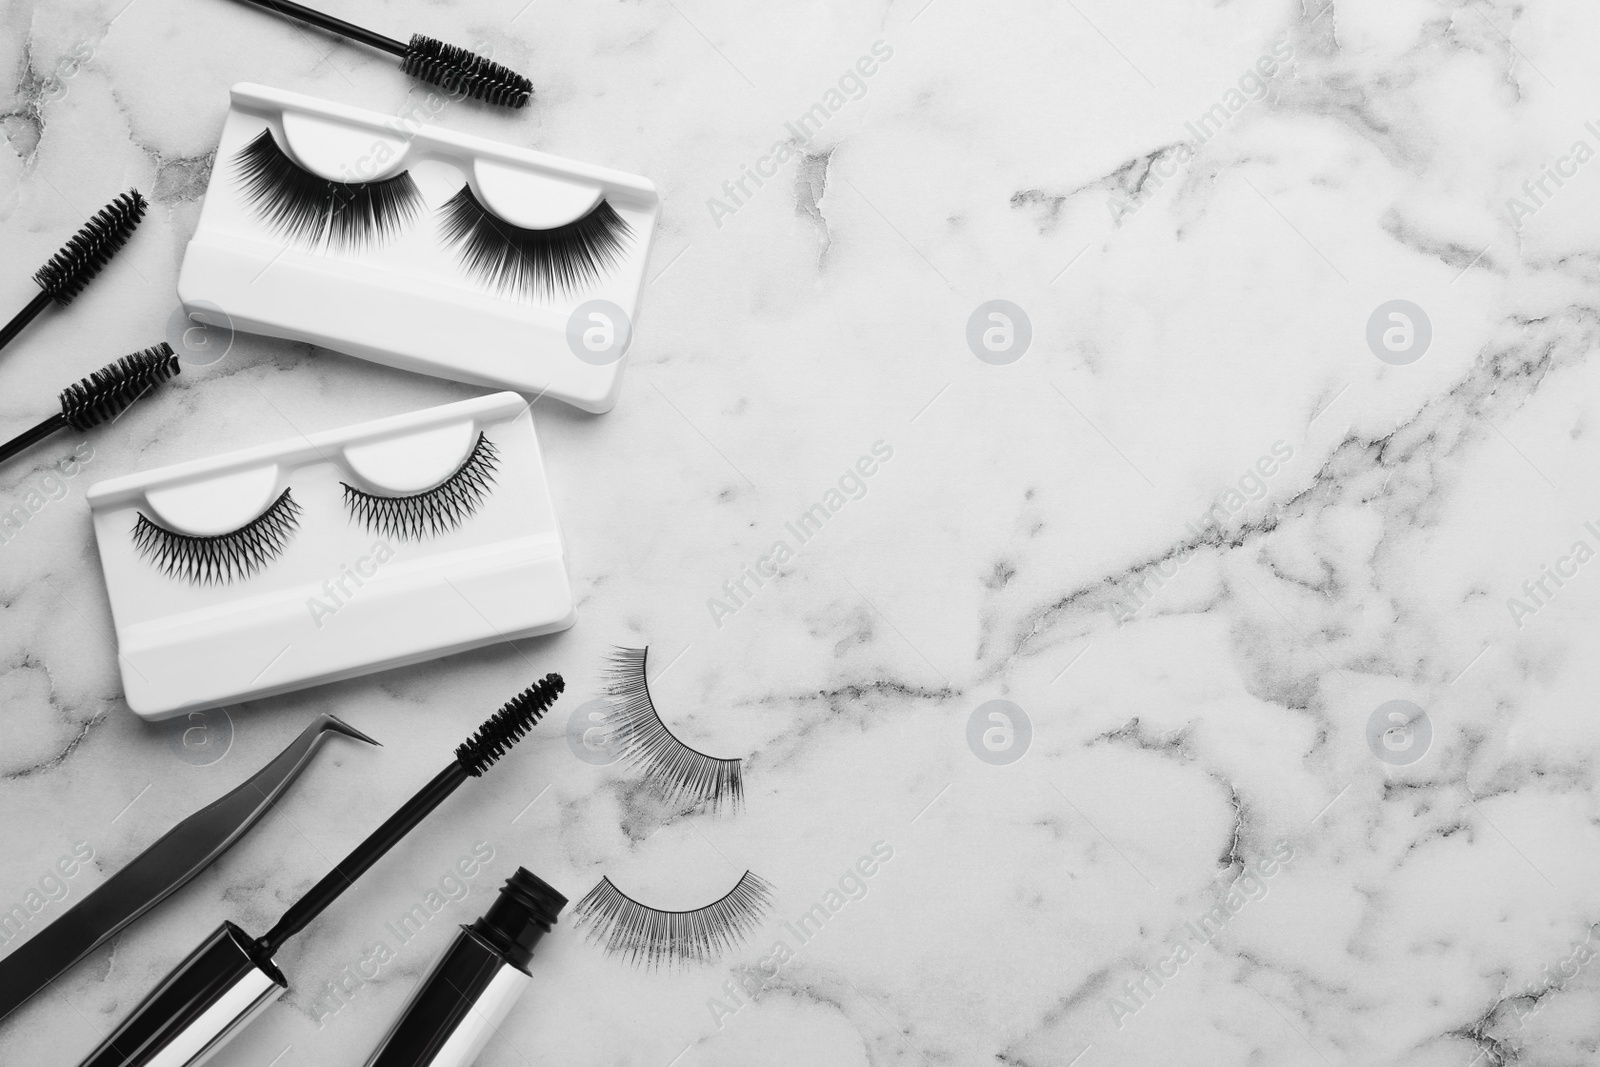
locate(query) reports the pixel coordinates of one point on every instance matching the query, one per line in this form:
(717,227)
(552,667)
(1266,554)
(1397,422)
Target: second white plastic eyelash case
(407,300)
(336,598)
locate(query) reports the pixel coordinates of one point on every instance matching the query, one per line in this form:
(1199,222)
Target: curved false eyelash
(680,772)
(652,937)
(307,208)
(224,557)
(533,263)
(434,511)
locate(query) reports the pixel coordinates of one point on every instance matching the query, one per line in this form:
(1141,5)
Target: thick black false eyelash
(306,208)
(435,511)
(533,263)
(653,937)
(221,558)
(679,771)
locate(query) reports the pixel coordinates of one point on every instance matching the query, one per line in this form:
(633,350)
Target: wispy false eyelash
(533,263)
(224,557)
(307,208)
(435,511)
(678,771)
(652,937)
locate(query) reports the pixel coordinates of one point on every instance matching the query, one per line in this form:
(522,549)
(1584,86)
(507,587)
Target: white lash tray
(332,604)
(406,301)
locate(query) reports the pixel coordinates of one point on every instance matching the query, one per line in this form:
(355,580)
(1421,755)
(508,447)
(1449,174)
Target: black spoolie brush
(445,65)
(80,259)
(231,977)
(473,756)
(102,396)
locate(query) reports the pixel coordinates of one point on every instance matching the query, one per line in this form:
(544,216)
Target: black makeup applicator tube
(453,1014)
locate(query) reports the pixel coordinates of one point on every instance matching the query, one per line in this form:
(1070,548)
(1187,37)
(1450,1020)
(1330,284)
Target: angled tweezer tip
(338,725)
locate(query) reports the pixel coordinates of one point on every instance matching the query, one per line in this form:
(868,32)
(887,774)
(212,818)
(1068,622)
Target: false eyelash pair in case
(331,555)
(421,248)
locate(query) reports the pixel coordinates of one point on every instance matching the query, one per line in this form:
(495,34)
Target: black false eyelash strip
(307,208)
(224,557)
(650,937)
(681,773)
(435,511)
(533,263)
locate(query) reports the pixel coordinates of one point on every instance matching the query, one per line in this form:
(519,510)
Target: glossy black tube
(197,1008)
(475,984)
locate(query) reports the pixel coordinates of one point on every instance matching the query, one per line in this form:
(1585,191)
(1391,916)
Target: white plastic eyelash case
(407,302)
(340,600)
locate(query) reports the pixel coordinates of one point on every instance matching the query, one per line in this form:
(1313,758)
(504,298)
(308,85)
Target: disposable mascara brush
(473,756)
(231,978)
(455,69)
(80,259)
(102,396)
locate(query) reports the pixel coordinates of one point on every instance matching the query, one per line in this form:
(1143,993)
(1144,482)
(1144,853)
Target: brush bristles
(107,392)
(508,725)
(91,248)
(459,70)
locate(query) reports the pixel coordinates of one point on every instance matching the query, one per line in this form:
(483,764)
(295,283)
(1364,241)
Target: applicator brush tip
(459,70)
(508,725)
(109,391)
(91,248)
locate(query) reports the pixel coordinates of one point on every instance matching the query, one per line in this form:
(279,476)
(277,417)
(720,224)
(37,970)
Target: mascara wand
(473,756)
(102,396)
(445,65)
(80,259)
(231,978)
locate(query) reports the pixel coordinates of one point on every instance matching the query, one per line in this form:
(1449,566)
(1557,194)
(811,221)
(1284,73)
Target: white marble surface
(1430,911)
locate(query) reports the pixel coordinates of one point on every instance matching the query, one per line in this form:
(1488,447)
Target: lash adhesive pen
(231,978)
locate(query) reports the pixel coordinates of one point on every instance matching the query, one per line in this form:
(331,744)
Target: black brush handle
(23,317)
(365,855)
(333,25)
(33,436)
